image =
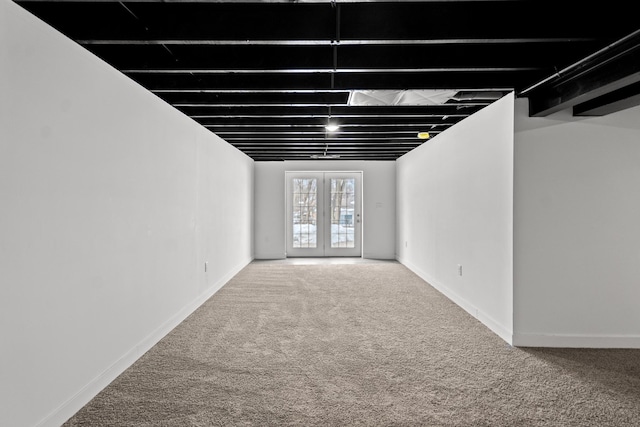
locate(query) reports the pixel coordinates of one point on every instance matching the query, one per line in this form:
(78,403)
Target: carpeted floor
(357,345)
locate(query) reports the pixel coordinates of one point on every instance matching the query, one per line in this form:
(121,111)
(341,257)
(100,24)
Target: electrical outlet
(206,265)
(459,269)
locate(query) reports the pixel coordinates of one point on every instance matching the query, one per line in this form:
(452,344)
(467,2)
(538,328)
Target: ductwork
(477,96)
(399,97)
(417,97)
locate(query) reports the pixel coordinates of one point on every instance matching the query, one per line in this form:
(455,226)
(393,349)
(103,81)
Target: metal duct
(477,96)
(400,97)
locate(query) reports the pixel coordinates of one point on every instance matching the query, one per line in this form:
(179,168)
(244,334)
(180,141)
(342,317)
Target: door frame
(323,226)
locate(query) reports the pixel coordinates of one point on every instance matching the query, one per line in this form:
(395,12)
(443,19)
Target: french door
(324,214)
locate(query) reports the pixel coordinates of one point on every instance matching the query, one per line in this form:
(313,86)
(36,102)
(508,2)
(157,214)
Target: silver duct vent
(399,97)
(417,97)
(477,96)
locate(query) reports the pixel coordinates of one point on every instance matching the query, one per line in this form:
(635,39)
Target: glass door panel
(342,213)
(343,199)
(305,212)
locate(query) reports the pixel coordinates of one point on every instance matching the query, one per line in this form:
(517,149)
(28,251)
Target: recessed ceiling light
(423,135)
(332,127)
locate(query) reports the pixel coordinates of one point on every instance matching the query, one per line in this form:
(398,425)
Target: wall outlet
(206,266)
(459,269)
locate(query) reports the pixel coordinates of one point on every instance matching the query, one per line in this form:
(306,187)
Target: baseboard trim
(575,340)
(89,391)
(381,256)
(496,327)
(273,255)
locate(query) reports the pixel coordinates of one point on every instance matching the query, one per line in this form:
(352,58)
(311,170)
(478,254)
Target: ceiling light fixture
(424,135)
(325,155)
(331,125)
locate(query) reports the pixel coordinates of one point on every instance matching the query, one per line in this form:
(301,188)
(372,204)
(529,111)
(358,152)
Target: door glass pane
(305,196)
(342,213)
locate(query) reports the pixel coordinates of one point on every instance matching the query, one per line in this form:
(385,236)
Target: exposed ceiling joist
(611,70)
(269,75)
(329,42)
(255,1)
(617,100)
(196,71)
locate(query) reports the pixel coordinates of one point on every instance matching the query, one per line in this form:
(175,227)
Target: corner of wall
(455,208)
(576,238)
(483,317)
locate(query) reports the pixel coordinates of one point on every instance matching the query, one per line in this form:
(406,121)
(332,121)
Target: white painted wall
(577,232)
(379,187)
(270,214)
(110,203)
(455,198)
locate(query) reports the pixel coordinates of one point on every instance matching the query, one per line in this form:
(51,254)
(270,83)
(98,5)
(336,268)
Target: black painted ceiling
(267,76)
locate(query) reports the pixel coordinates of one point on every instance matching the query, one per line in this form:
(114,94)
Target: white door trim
(323,222)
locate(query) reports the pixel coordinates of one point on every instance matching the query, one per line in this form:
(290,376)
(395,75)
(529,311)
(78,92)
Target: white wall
(110,203)
(378,200)
(577,233)
(455,198)
(269,216)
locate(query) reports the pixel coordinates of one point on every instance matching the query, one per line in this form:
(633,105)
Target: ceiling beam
(294,105)
(345,81)
(318,132)
(253,1)
(324,140)
(617,100)
(424,111)
(329,42)
(329,70)
(610,69)
(344,116)
(291,91)
(319,126)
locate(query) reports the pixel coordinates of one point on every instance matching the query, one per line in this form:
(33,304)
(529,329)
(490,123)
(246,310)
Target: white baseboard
(381,255)
(89,391)
(496,327)
(272,255)
(575,340)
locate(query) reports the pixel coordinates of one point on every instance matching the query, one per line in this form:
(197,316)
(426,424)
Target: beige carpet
(357,345)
